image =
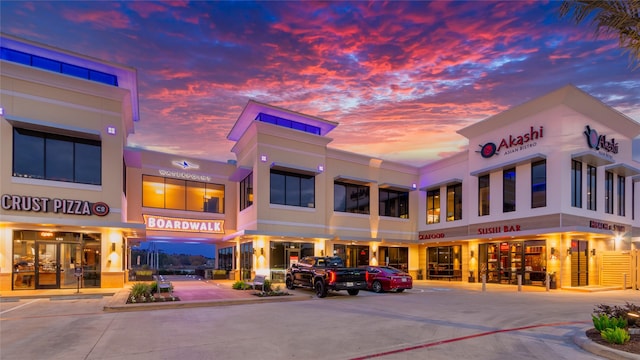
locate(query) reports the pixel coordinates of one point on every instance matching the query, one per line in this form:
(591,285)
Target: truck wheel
(321,289)
(289,284)
(377,287)
(353,292)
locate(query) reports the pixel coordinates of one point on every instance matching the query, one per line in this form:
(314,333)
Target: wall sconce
(472,253)
(254,251)
(113,247)
(321,252)
(263,158)
(553,251)
(375,253)
(593,252)
(569,252)
(261,251)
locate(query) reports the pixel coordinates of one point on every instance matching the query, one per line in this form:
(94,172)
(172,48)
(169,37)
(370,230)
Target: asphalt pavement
(435,320)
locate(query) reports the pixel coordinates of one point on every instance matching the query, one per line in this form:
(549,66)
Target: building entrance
(503,262)
(47,260)
(579,263)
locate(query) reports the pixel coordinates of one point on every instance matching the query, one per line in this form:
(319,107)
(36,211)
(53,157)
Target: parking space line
(427,345)
(19,306)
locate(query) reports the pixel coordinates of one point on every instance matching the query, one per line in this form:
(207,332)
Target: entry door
(579,263)
(47,274)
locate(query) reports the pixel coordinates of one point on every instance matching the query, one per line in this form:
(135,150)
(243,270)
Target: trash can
(552,281)
(472,277)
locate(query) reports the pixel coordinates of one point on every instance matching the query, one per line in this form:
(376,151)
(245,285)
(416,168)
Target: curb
(118,303)
(586,344)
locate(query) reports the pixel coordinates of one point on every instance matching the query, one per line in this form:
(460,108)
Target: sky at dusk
(399,77)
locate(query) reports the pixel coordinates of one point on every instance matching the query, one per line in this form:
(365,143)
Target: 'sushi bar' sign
(178,224)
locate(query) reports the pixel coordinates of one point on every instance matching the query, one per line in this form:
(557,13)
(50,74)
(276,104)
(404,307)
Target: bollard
(484,282)
(547,280)
(519,282)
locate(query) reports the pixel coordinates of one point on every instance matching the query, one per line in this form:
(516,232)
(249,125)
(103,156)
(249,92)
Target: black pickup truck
(324,274)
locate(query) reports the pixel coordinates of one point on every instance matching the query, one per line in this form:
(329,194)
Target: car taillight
(332,276)
(366,276)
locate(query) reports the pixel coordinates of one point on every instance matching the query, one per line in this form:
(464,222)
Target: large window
(293,189)
(444,262)
(225,258)
(397,257)
(394,203)
(177,194)
(591,187)
(509,190)
(351,198)
(454,202)
(621,195)
(433,206)
(40,155)
(539,184)
(608,192)
(576,184)
(483,195)
(246,192)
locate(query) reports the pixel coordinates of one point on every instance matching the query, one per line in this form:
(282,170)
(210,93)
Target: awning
(592,158)
(441,183)
(353,180)
(294,169)
(623,169)
(396,187)
(505,165)
(240,173)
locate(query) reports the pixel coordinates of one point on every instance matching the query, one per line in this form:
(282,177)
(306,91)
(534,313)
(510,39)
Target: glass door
(47,274)
(70,257)
(579,263)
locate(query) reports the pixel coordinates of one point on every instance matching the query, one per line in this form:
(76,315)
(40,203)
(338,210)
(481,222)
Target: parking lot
(433,320)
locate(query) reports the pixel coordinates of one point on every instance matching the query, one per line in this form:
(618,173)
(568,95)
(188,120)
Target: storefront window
(503,262)
(397,257)
(444,263)
(352,255)
(454,202)
(47,260)
(246,260)
(433,206)
(225,258)
(283,254)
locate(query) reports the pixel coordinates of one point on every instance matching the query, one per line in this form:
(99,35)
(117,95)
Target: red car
(387,278)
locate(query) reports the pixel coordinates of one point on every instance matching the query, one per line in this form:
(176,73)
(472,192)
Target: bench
(257,281)
(163,284)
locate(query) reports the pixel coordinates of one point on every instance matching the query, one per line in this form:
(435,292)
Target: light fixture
(321,252)
(263,158)
(320,168)
(569,251)
(593,252)
(262,251)
(375,253)
(472,253)
(113,247)
(553,251)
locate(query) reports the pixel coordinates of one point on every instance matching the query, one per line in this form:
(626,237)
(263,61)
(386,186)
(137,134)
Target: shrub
(616,335)
(267,285)
(620,312)
(603,322)
(140,289)
(240,285)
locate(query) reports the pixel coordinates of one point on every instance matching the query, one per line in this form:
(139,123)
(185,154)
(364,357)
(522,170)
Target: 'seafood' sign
(153,222)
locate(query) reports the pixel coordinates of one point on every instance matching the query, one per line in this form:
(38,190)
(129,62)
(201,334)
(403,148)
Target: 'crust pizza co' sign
(179,224)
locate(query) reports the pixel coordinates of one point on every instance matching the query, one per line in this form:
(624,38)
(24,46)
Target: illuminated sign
(598,142)
(512,144)
(179,224)
(186,165)
(498,229)
(58,206)
(184,175)
(606,226)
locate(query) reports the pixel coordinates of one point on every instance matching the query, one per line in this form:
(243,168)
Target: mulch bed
(631,346)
